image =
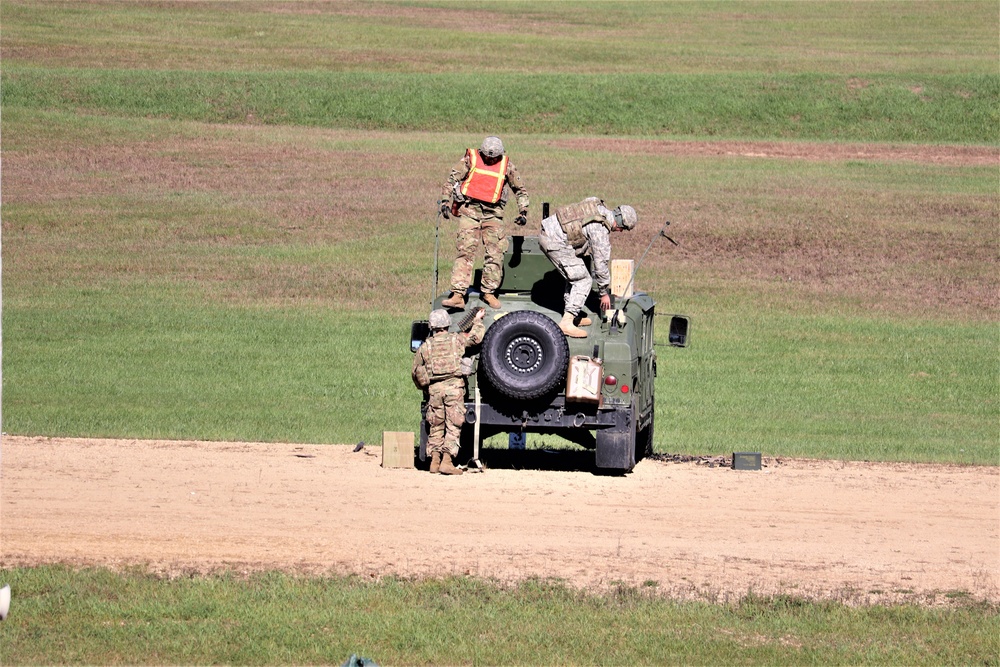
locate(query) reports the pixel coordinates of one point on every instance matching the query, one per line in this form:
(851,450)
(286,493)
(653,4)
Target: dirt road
(858,532)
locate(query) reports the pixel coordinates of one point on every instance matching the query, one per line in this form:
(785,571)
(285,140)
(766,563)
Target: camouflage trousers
(576,273)
(445,415)
(471,234)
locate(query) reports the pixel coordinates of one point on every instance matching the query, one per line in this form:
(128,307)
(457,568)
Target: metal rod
(663,233)
(628,288)
(437,243)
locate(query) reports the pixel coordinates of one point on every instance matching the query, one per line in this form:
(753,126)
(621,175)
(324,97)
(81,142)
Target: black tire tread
(543,329)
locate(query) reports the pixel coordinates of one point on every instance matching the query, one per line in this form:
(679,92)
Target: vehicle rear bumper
(547,418)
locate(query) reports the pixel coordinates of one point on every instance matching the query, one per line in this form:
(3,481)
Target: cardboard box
(621,276)
(397,449)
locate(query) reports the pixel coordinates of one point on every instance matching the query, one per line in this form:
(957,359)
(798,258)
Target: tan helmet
(439,319)
(492,147)
(626,216)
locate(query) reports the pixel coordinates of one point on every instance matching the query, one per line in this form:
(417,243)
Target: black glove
(521,219)
(445,209)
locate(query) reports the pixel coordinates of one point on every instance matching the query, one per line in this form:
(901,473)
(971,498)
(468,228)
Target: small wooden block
(621,276)
(397,449)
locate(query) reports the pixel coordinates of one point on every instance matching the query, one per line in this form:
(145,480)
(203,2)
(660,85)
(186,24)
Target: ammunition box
(746,460)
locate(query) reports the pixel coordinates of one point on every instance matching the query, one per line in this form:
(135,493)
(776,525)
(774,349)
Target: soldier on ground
(475,193)
(574,232)
(437,368)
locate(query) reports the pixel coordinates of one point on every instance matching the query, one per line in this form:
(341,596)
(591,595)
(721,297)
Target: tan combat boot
(490,301)
(570,329)
(435,462)
(447,467)
(456,300)
(583,321)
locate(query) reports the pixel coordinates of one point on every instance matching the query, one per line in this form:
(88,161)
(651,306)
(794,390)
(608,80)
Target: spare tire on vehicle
(524,355)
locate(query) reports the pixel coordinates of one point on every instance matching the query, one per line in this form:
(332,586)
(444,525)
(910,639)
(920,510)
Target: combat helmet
(439,319)
(492,148)
(626,217)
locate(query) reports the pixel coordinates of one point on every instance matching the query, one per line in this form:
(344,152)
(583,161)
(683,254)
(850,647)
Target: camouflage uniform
(595,241)
(437,368)
(480,222)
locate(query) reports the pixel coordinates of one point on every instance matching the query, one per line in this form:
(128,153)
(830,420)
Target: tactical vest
(573,217)
(444,355)
(485,181)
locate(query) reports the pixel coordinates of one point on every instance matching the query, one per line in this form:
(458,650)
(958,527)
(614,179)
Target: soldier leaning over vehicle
(475,193)
(437,368)
(575,231)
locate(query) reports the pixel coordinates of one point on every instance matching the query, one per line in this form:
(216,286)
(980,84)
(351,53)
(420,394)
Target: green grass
(889,108)
(148,364)
(888,71)
(105,363)
(60,615)
(842,38)
(832,387)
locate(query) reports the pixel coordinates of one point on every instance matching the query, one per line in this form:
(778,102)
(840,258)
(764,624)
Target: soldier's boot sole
(447,467)
(568,328)
(456,300)
(435,462)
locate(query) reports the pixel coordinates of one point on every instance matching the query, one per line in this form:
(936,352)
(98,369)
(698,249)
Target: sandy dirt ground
(857,532)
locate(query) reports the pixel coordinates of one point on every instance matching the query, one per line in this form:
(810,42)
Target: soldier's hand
(521,219)
(480,314)
(605,302)
(445,209)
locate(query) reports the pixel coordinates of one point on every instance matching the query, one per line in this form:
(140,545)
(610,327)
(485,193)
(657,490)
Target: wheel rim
(524,355)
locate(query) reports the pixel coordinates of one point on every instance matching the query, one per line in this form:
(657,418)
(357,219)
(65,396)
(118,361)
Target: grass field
(930,108)
(569,37)
(93,616)
(218,223)
(183,280)
(169,274)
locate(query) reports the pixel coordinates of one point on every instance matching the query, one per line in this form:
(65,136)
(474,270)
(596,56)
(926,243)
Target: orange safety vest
(485,181)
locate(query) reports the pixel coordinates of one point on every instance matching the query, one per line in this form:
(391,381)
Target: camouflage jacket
(440,356)
(596,244)
(481,210)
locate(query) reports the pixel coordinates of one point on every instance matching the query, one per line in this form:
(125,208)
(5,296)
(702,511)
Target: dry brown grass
(817,152)
(347,218)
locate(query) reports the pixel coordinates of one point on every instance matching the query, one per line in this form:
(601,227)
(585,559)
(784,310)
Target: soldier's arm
(476,333)
(456,175)
(419,373)
(600,253)
(516,184)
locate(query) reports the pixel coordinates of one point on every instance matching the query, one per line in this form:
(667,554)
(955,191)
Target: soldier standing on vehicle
(437,368)
(475,193)
(574,232)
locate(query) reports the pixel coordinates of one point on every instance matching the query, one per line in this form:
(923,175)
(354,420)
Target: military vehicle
(528,377)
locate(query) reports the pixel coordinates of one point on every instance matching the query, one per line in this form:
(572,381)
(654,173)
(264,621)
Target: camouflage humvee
(597,392)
